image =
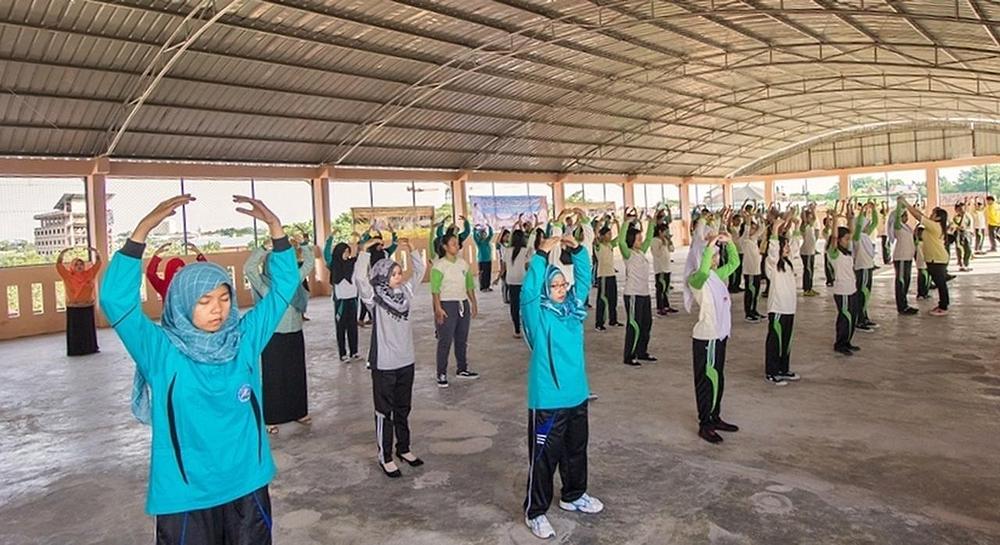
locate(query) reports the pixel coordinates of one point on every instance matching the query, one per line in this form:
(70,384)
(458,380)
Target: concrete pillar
(685,210)
(768,190)
(933,188)
(628,188)
(727,193)
(321,227)
(97,213)
(845,186)
(559,193)
(458,195)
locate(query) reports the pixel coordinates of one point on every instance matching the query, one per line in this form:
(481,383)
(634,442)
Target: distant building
(65,226)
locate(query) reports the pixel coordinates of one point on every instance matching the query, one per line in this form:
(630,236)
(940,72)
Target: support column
(559,193)
(727,193)
(458,195)
(933,188)
(685,210)
(845,186)
(768,190)
(628,188)
(97,221)
(321,228)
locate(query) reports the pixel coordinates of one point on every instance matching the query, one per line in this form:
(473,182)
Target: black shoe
(951,277)
(633,363)
(722,425)
(618,324)
(871,324)
(853,348)
(467,374)
(415,463)
(866,328)
(672,310)
(391,474)
(909,311)
(708,434)
(844,350)
(600,328)
(776,380)
(789,376)
(645,357)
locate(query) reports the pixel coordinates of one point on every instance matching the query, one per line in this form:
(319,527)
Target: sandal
(305,420)
(272,430)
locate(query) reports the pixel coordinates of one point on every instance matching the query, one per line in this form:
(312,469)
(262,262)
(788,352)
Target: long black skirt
(81,331)
(283,372)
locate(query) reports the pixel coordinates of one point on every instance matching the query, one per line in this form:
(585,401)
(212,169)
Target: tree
(577,196)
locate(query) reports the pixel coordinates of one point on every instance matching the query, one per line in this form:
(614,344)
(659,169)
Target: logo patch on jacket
(244,393)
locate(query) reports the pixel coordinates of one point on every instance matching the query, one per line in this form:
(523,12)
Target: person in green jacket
(553,313)
(483,237)
(198,383)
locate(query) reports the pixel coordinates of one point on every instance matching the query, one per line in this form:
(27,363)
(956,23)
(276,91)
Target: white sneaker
(584,504)
(540,527)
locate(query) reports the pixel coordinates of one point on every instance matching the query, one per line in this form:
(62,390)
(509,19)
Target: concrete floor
(900,445)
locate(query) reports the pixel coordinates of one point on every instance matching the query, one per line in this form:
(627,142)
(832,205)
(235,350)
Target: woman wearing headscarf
(553,313)
(387,291)
(283,362)
(78,281)
(341,262)
(174,264)
(210,457)
(705,283)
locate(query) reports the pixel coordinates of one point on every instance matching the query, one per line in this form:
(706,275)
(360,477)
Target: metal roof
(685,87)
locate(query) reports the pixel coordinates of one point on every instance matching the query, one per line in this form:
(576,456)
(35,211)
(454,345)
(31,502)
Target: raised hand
(549,244)
(260,211)
(162,211)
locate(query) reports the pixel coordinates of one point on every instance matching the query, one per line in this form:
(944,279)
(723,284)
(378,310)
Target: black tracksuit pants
(904,271)
(736,278)
(808,271)
(514,293)
(923,283)
(886,254)
(346,318)
(863,282)
(662,291)
(709,378)
(455,329)
(393,394)
(243,521)
(607,300)
(485,274)
(751,294)
(640,321)
(828,270)
(557,438)
(778,346)
(939,274)
(848,309)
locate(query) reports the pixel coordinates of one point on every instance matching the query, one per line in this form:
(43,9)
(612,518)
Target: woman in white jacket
(781,304)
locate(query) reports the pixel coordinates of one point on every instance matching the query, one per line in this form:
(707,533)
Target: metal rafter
(990,29)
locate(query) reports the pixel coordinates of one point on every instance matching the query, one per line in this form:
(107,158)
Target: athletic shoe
(844,350)
(789,376)
(633,363)
(600,328)
(645,357)
(938,311)
(355,357)
(584,504)
(951,277)
(442,381)
(368,365)
(810,293)
(467,374)
(708,434)
(618,324)
(344,359)
(752,319)
(540,527)
(909,311)
(853,348)
(923,297)
(866,328)
(871,324)
(722,425)
(776,380)
(672,310)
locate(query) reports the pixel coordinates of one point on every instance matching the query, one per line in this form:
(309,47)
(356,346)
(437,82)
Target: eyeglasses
(559,286)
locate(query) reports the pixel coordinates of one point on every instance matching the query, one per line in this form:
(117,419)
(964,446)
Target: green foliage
(971,180)
(576,197)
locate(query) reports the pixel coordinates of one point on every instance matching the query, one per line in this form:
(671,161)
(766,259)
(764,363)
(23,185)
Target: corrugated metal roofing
(685,87)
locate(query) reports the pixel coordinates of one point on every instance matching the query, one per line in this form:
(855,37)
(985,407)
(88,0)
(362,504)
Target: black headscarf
(341,269)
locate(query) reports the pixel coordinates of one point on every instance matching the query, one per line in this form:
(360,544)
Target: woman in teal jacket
(553,313)
(210,460)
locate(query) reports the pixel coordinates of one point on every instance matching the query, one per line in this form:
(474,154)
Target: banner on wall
(412,222)
(503,211)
